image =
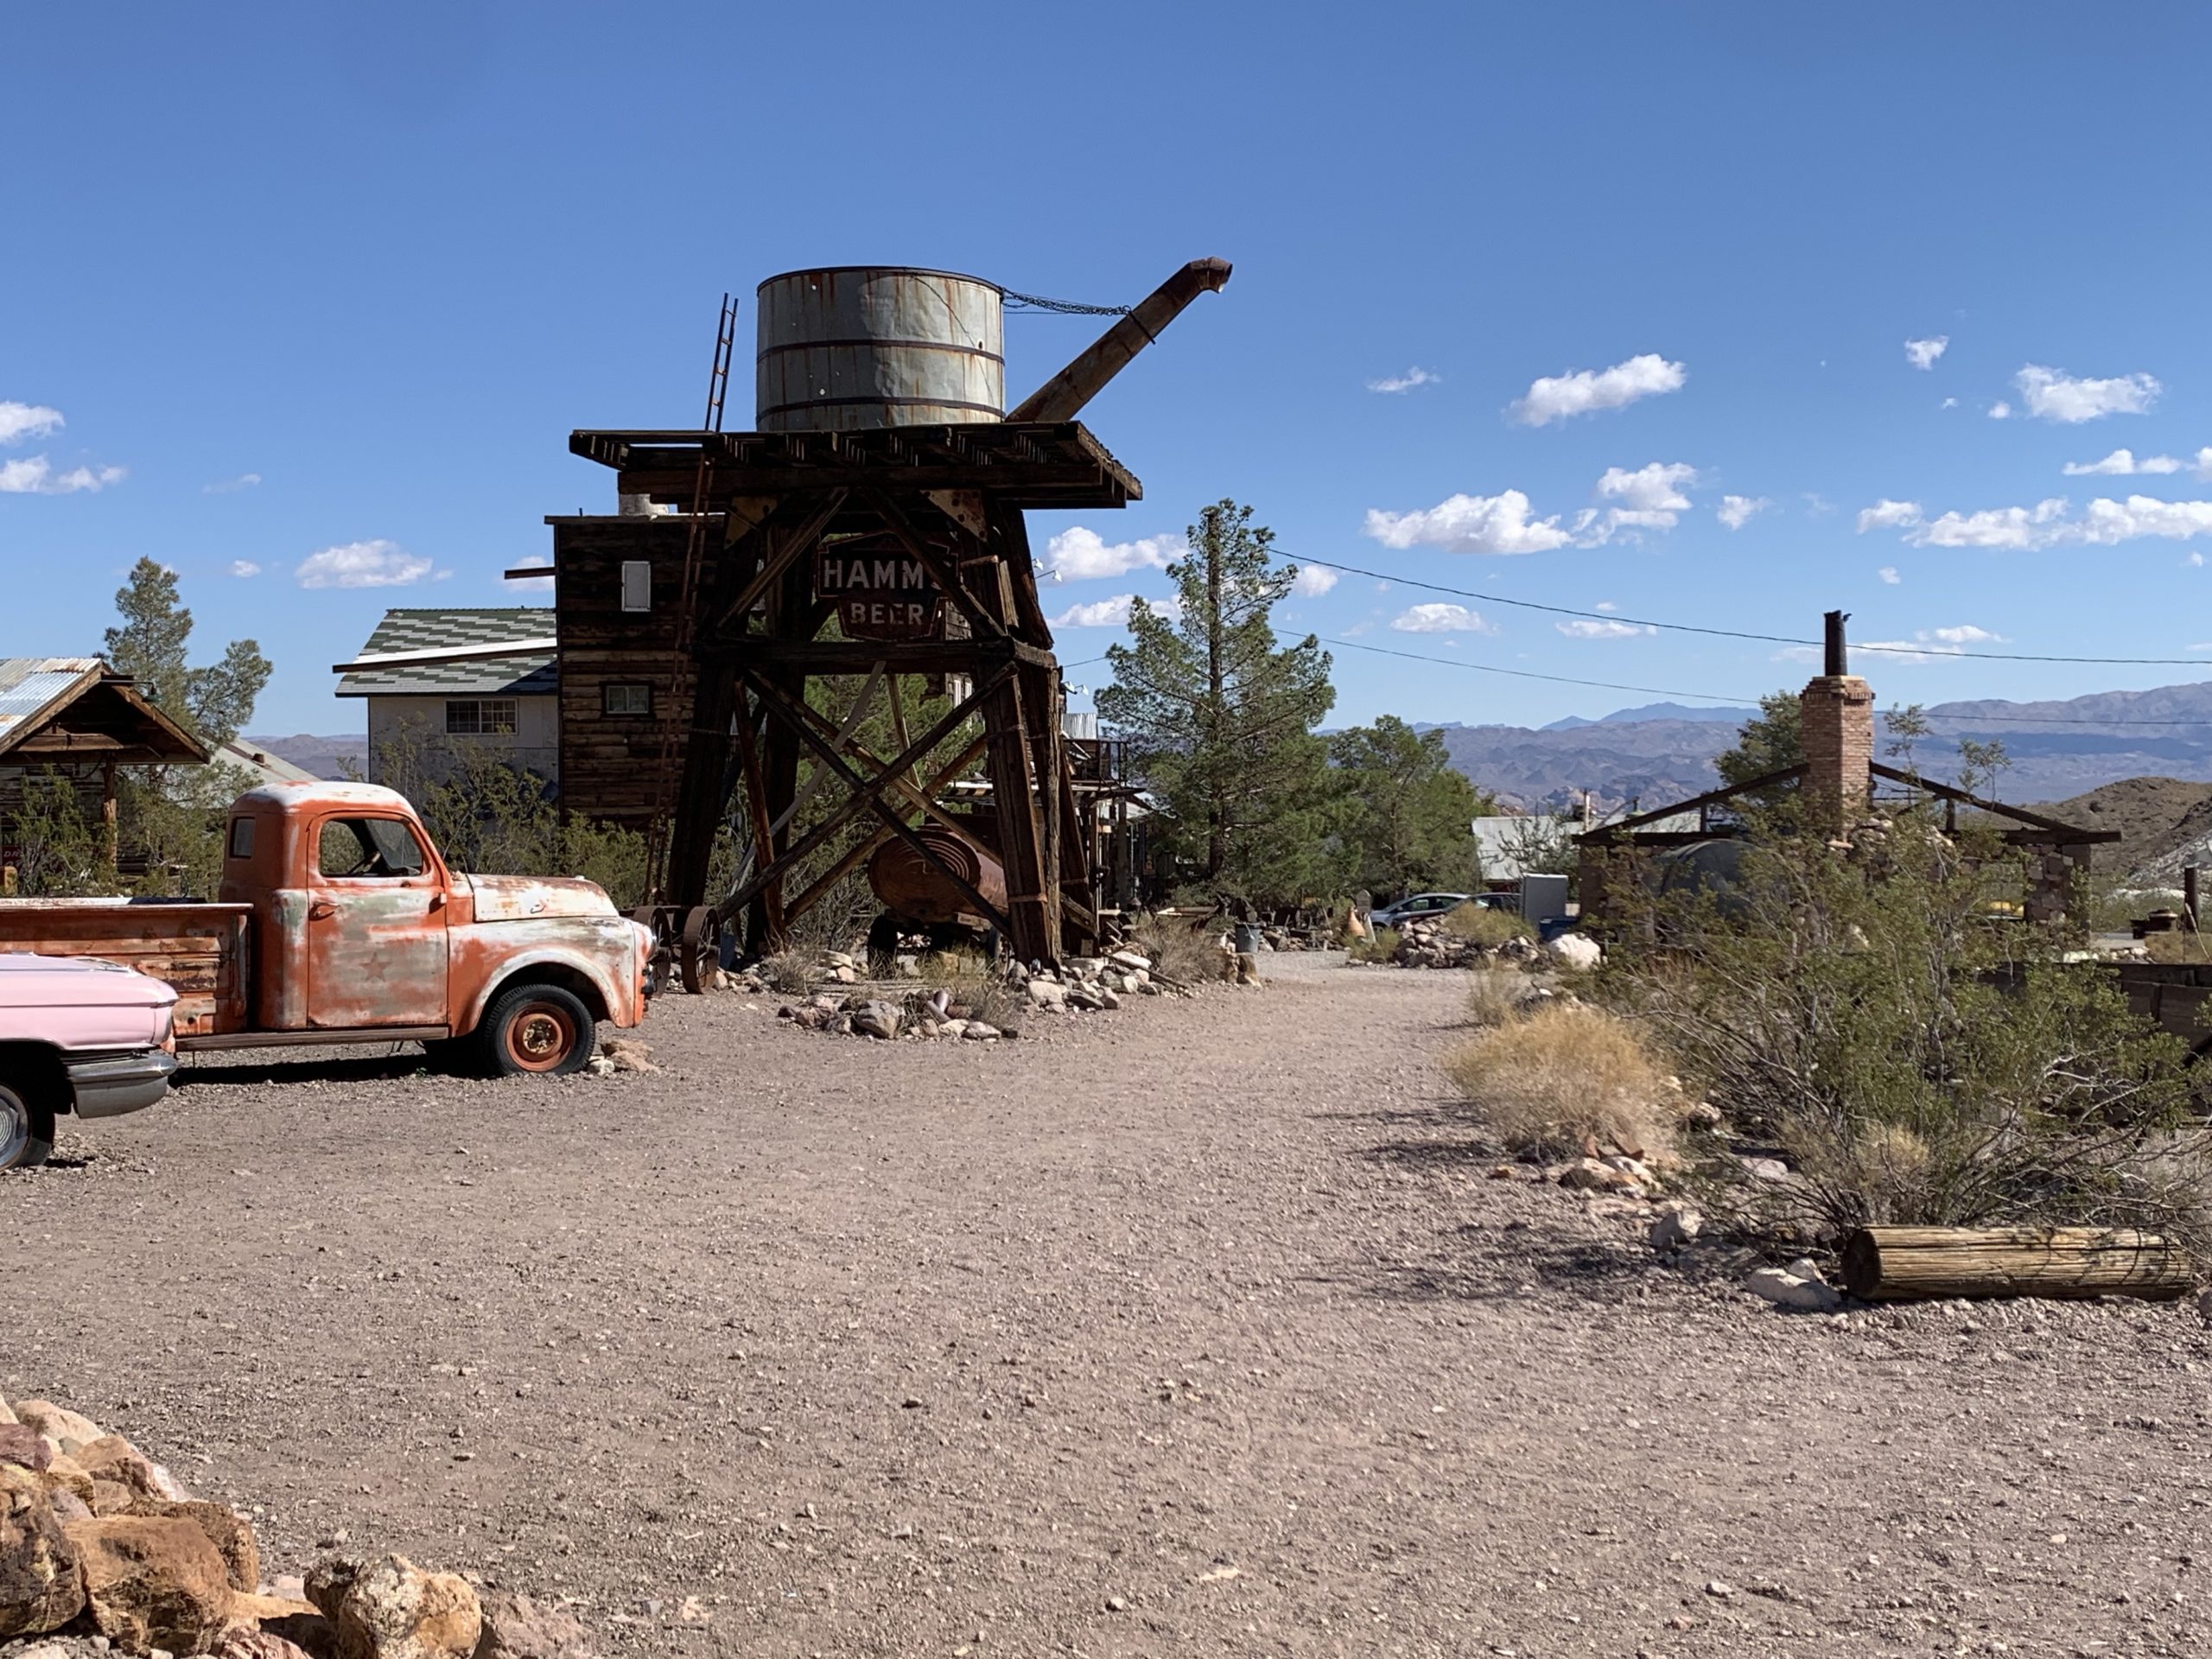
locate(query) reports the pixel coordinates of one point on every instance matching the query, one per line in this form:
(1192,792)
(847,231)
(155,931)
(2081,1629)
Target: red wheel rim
(540,1036)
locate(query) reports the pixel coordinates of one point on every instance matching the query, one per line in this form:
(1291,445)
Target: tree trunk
(1217,819)
(1904,1263)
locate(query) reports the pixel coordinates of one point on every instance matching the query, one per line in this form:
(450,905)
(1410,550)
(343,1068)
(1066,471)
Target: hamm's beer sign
(880,590)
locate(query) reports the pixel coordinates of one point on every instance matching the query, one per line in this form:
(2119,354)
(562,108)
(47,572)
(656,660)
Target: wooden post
(2189,894)
(1905,1263)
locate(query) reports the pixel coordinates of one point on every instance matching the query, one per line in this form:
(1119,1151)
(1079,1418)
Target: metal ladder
(680,670)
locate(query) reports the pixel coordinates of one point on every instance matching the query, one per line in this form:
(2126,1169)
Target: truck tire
(26,1127)
(535,1031)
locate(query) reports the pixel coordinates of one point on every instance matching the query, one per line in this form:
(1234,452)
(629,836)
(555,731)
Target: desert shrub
(2180,944)
(789,972)
(1381,944)
(59,850)
(1483,926)
(1181,951)
(1918,1059)
(1566,1074)
(970,982)
(1497,997)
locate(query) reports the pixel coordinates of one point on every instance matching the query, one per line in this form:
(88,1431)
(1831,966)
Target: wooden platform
(1041,464)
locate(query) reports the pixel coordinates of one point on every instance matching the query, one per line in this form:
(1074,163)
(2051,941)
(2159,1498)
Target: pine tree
(1220,720)
(150,646)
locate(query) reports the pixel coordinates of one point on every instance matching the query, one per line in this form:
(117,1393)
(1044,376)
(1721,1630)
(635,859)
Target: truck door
(375,926)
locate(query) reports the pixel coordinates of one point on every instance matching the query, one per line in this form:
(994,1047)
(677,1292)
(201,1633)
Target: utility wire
(1731,633)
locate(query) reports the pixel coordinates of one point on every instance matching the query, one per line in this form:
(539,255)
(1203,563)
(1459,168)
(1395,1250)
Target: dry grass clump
(1566,1074)
(788,973)
(1497,997)
(2177,944)
(1485,927)
(968,982)
(1380,946)
(1180,951)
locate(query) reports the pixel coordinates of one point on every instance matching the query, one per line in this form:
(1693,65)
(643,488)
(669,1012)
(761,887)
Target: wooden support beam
(868,792)
(699,794)
(1031,901)
(868,845)
(784,536)
(770,919)
(1899,1264)
(947,573)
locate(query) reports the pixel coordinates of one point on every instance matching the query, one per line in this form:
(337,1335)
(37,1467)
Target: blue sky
(320,295)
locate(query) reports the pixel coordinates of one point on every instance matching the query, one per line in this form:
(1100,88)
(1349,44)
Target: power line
(1734,633)
(1527,674)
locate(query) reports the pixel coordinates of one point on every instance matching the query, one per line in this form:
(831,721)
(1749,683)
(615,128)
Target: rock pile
(103,1551)
(1427,945)
(1082,985)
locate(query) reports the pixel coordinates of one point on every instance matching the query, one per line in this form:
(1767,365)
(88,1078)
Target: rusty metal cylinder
(916,890)
(860,346)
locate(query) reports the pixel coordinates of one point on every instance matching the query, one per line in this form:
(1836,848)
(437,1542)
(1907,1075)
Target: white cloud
(1796,654)
(1441,619)
(244,567)
(226,486)
(21,421)
(2195,561)
(34,475)
(535,584)
(2037,526)
(1555,397)
(1922,353)
(2106,521)
(1948,402)
(1584,628)
(1469,524)
(1604,604)
(1736,511)
(2000,410)
(1886,514)
(1405,382)
(2054,395)
(1888,573)
(1099,614)
(1932,645)
(2122,463)
(1080,555)
(1655,487)
(1312,581)
(362,565)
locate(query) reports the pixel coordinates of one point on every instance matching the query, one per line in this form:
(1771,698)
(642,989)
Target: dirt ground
(1194,1328)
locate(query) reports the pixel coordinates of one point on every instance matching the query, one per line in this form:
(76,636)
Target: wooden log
(1905,1263)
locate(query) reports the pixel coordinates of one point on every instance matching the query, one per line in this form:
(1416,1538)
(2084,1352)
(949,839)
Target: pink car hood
(80,1002)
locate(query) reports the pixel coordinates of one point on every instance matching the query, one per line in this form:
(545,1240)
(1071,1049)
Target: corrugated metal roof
(530,674)
(29,686)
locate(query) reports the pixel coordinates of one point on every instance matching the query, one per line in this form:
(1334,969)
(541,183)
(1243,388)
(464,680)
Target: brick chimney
(1837,710)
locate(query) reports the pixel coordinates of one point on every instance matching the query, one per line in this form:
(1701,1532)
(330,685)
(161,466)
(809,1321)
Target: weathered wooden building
(76,718)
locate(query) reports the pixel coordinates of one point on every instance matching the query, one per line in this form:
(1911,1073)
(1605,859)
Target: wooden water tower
(884,489)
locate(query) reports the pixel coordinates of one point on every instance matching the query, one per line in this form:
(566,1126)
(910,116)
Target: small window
(375,847)
(241,838)
(637,585)
(480,717)
(633,697)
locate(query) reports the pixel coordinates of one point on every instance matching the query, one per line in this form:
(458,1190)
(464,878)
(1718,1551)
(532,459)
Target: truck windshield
(368,847)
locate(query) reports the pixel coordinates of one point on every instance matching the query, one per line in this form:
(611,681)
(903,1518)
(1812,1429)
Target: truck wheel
(538,1030)
(26,1129)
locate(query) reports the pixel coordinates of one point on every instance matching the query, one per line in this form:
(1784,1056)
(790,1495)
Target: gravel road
(1194,1328)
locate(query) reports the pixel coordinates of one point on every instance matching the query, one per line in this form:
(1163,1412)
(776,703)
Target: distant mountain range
(326,757)
(1664,752)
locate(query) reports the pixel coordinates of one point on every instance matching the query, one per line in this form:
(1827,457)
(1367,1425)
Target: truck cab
(338,921)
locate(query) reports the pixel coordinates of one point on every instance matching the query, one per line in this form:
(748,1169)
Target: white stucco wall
(534,743)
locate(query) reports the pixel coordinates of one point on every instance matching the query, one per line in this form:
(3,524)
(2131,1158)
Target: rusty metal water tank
(870,345)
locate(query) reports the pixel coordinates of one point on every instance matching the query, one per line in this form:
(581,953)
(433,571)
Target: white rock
(1576,950)
(601,1066)
(1134,961)
(953,1028)
(1786,1289)
(1047,994)
(1677,1225)
(1765,1169)
(976,1032)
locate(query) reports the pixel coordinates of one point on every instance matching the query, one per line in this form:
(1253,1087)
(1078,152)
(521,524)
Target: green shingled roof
(527,674)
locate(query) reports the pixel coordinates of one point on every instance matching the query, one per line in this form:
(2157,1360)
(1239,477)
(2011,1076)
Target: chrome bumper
(112,1084)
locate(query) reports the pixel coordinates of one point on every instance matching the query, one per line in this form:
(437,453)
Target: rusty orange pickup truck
(338,921)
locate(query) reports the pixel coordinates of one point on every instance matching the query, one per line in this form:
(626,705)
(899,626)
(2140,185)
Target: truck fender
(614,1005)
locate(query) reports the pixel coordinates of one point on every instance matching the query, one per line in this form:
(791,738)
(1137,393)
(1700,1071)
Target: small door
(375,931)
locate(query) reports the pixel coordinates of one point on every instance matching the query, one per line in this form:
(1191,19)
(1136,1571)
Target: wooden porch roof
(60,709)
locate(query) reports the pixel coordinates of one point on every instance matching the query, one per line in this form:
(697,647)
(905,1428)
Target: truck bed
(200,949)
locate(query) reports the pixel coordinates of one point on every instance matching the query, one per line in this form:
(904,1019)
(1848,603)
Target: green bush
(1918,1060)
(1484,926)
(1381,944)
